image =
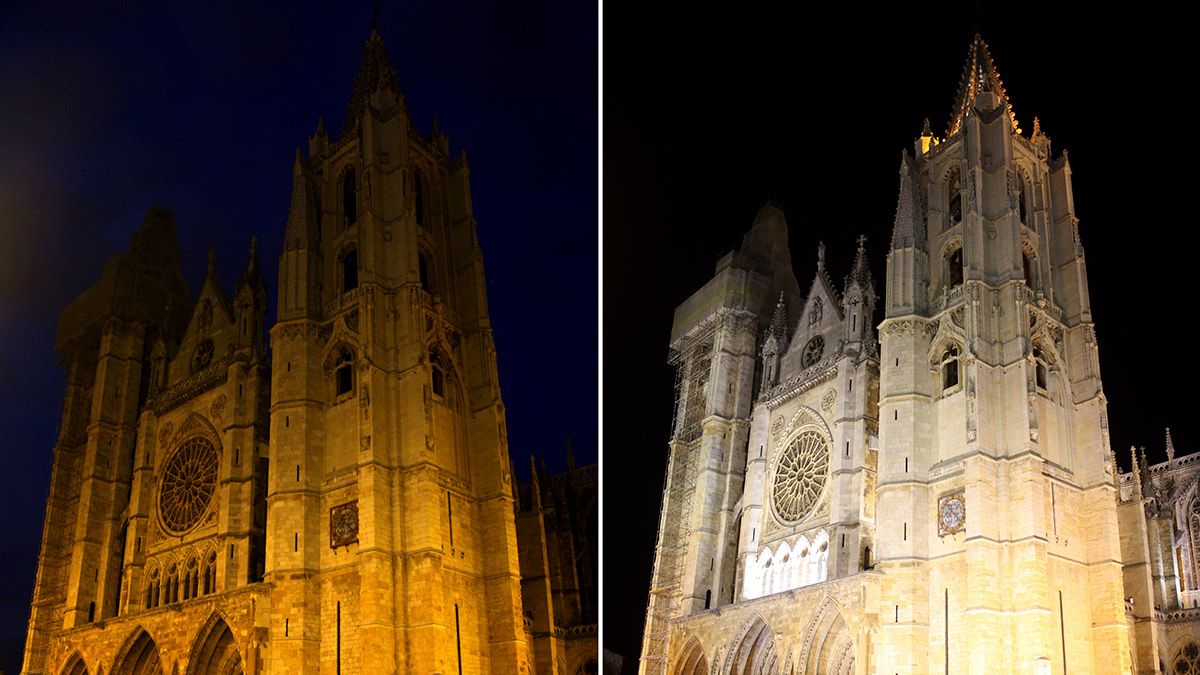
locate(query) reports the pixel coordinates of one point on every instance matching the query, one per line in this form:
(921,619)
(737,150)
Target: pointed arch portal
(755,653)
(139,657)
(830,645)
(214,651)
(692,661)
(75,666)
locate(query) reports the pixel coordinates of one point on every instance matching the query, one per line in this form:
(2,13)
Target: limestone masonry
(341,503)
(933,492)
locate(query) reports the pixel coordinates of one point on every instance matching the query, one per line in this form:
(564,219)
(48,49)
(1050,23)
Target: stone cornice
(196,384)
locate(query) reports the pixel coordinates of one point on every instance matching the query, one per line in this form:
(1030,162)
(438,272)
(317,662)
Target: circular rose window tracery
(800,476)
(189,479)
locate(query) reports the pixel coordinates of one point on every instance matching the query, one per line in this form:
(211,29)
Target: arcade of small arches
(177,579)
(214,651)
(799,563)
(827,646)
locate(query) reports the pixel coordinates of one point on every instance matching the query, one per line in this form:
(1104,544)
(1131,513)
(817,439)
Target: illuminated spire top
(860,273)
(979,76)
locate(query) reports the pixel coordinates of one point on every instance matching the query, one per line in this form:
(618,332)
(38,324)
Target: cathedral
(340,502)
(914,474)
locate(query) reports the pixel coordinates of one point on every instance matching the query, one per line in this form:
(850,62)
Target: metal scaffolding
(693,361)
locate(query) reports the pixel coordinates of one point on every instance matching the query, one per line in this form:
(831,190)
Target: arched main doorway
(214,652)
(139,656)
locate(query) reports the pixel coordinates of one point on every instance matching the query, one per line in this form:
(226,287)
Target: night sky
(104,112)
(707,116)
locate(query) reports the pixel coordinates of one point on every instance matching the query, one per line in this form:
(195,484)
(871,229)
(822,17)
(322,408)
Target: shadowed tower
(389,484)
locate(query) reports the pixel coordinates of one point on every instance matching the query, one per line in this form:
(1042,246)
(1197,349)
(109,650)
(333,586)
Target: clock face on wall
(343,525)
(813,351)
(952,514)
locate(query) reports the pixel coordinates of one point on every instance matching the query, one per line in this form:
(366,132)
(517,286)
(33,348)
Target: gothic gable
(210,334)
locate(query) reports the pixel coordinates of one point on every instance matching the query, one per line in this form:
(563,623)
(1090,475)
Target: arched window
(172,591)
(1027,267)
(1022,204)
(1187,659)
(349,269)
(954,267)
(152,586)
(424,271)
(419,199)
(205,314)
(349,198)
(1041,371)
(343,372)
(186,586)
(950,366)
(210,573)
(819,558)
(954,186)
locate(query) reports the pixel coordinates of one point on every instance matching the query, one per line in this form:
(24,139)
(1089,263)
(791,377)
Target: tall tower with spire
(340,503)
(939,497)
(997,530)
(391,540)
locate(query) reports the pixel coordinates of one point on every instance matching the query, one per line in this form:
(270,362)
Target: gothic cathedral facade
(341,503)
(939,496)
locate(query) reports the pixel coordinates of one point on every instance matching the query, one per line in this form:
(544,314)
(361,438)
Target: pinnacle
(375,73)
(979,76)
(860,273)
(779,320)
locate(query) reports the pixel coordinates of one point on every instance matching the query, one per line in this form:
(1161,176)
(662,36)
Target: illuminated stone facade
(343,503)
(1160,542)
(939,497)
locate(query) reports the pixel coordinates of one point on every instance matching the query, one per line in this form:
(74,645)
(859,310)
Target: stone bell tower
(391,542)
(997,521)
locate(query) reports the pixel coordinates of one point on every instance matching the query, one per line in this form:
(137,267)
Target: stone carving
(777,426)
(218,408)
(164,435)
(827,400)
(818,309)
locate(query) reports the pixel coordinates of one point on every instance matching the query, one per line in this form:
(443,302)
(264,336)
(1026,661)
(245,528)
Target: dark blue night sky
(105,112)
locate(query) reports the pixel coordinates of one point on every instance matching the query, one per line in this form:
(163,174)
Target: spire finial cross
(862,241)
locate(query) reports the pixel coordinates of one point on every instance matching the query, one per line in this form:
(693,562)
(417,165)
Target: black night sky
(104,112)
(707,116)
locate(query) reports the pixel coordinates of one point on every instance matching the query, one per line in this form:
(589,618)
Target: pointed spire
(375,73)
(301,222)
(820,256)
(1037,128)
(779,327)
(979,76)
(860,272)
(908,230)
(321,126)
(252,274)
(1170,446)
(1137,473)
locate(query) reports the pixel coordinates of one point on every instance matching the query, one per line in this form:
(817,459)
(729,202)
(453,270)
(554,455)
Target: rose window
(800,476)
(189,479)
(813,351)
